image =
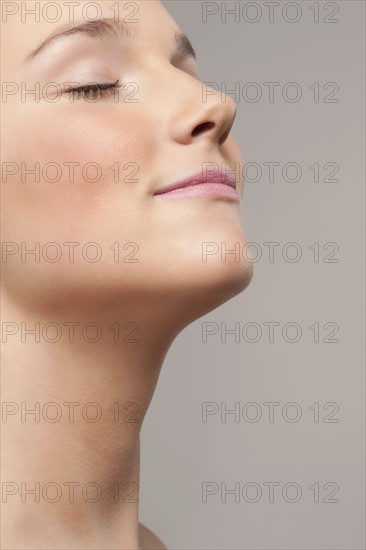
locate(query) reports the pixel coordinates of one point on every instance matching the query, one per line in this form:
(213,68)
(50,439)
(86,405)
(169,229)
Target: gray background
(179,451)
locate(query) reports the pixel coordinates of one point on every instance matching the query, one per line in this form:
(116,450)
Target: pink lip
(218,183)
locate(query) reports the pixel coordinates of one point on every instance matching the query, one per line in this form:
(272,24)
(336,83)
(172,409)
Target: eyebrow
(101,28)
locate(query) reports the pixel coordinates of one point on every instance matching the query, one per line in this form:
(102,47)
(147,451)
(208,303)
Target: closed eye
(93,90)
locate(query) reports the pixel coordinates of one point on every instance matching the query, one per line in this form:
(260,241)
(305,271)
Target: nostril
(204,127)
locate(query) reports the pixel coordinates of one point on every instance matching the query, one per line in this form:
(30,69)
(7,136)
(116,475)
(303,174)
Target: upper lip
(218,176)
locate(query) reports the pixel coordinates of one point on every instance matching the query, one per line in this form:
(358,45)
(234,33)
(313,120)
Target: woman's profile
(119,191)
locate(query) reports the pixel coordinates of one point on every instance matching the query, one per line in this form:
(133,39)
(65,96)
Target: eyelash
(94,90)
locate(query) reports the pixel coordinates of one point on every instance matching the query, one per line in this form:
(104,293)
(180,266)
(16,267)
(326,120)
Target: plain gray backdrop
(298,473)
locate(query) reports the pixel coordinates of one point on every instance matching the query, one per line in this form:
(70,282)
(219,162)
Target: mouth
(220,184)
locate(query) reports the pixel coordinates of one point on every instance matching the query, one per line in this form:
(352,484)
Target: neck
(74,398)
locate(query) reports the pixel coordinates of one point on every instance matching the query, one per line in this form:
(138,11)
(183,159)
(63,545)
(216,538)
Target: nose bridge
(195,110)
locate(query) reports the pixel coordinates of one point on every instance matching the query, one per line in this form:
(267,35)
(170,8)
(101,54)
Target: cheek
(83,135)
(37,211)
(88,162)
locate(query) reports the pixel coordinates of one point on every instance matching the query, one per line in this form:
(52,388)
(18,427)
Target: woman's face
(84,166)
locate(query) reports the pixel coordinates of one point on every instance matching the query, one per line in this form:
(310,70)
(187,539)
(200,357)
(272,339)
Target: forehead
(24,27)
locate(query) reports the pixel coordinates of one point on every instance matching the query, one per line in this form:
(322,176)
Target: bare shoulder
(149,541)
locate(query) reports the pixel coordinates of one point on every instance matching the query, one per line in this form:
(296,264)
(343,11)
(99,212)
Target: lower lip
(203,189)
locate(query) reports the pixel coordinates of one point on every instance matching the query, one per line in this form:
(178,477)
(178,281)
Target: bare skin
(148,540)
(101,327)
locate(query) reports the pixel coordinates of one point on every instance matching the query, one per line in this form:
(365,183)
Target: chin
(197,287)
(220,282)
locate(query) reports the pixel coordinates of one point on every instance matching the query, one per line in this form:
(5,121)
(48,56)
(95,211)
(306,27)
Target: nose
(201,113)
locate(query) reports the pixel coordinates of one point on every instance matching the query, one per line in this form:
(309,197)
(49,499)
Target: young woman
(120,197)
